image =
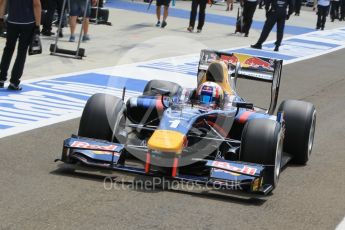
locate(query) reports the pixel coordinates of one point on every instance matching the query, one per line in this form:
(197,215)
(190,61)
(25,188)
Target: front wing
(224,174)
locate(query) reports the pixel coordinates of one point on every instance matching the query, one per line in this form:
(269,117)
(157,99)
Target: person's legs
(248,13)
(47,23)
(201,21)
(166,4)
(158,13)
(166,13)
(229,5)
(86,21)
(342,10)
(280,30)
(86,26)
(324,13)
(269,23)
(73,24)
(297,7)
(26,33)
(332,11)
(11,40)
(193,14)
(74,13)
(319,16)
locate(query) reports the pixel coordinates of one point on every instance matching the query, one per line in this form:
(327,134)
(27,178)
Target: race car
(207,135)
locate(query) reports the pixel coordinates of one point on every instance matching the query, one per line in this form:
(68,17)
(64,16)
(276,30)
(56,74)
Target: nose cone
(167,141)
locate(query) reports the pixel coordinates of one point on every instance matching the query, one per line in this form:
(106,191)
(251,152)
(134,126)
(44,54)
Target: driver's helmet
(210,93)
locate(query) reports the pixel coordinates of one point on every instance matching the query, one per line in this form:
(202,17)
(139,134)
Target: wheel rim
(278,159)
(311,134)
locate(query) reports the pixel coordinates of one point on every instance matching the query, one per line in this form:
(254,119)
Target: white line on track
(341,225)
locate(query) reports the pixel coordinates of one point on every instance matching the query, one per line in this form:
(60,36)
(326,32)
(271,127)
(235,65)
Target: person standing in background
(276,12)
(229,5)
(249,7)
(298,4)
(51,6)
(322,12)
(78,10)
(202,6)
(342,10)
(159,4)
(334,10)
(24,18)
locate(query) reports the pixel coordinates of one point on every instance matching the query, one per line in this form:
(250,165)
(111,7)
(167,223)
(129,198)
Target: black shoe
(60,34)
(276,48)
(322,28)
(164,24)
(2,84)
(246,34)
(317,28)
(256,46)
(14,87)
(47,33)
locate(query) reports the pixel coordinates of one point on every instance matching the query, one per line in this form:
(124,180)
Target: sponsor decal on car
(85,145)
(227,166)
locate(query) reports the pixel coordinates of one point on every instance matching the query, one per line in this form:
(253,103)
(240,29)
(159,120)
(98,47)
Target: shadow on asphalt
(145,184)
(138,26)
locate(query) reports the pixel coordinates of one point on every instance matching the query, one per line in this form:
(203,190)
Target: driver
(210,94)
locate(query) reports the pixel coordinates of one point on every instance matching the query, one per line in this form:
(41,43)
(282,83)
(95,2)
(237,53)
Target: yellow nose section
(166,141)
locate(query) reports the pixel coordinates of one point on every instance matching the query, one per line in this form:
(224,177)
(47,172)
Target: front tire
(300,121)
(262,143)
(102,115)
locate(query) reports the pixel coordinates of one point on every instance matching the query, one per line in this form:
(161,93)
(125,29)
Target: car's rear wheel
(173,88)
(102,117)
(300,121)
(262,143)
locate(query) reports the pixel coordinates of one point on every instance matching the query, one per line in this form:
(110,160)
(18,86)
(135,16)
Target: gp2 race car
(167,132)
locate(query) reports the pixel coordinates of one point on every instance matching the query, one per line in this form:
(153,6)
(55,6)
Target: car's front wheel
(102,117)
(300,121)
(262,143)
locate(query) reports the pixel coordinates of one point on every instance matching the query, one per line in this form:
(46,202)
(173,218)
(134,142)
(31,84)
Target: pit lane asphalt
(35,194)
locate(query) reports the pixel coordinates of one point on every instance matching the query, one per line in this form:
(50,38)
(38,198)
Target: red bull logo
(229,59)
(255,62)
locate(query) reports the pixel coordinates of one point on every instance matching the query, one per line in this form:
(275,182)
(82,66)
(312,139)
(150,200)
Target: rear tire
(102,115)
(174,88)
(262,143)
(300,120)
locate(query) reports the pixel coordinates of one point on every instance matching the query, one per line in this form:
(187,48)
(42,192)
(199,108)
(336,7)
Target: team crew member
(342,10)
(51,6)
(249,7)
(166,4)
(24,17)
(78,9)
(202,6)
(298,4)
(276,12)
(334,10)
(322,12)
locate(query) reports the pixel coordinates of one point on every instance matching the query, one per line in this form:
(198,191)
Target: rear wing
(246,67)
